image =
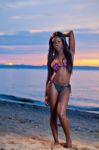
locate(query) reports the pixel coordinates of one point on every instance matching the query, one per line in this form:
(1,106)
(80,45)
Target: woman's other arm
(71,37)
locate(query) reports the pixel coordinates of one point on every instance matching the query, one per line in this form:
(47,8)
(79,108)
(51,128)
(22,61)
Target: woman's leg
(53,109)
(61,110)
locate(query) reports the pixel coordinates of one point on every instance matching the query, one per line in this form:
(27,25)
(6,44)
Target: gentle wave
(16,99)
(21,100)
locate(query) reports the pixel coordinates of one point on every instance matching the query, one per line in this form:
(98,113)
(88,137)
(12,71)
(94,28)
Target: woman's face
(57,44)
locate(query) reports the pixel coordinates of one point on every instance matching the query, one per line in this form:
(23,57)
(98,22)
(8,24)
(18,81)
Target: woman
(58,88)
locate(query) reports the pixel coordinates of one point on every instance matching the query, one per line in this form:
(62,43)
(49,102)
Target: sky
(25,28)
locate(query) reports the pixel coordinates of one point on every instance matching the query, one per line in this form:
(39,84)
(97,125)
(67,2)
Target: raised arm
(71,37)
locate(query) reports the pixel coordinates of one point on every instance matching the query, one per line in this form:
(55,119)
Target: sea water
(29,85)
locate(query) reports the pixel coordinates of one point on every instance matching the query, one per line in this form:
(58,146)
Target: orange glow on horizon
(86,62)
(9,63)
(43,61)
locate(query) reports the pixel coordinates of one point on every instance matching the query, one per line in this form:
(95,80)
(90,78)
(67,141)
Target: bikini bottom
(60,88)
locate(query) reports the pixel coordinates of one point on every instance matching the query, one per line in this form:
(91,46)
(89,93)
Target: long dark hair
(53,53)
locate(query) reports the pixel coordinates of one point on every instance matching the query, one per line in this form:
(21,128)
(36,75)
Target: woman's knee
(62,115)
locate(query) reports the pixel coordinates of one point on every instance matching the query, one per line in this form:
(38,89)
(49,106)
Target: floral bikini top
(56,65)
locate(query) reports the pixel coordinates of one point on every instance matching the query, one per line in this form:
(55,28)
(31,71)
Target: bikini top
(56,66)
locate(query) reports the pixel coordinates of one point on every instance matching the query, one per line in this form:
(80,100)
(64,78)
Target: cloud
(24,3)
(23,49)
(86,30)
(23,15)
(18,3)
(87,43)
(25,38)
(35,30)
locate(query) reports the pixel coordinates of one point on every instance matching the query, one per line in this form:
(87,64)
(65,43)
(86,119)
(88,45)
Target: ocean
(28,86)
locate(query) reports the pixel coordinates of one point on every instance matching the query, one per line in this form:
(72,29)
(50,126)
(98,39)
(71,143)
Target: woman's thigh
(53,95)
(63,101)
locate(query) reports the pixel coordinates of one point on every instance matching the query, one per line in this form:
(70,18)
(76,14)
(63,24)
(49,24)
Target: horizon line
(43,65)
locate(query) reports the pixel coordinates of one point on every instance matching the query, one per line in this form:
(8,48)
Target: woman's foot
(55,144)
(67,144)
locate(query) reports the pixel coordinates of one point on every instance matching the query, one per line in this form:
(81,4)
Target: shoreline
(34,102)
(21,121)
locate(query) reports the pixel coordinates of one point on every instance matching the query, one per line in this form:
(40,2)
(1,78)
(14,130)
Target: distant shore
(27,127)
(21,66)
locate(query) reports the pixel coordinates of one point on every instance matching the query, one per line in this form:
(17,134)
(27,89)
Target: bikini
(59,87)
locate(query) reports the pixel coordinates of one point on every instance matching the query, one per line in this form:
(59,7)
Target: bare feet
(67,144)
(55,144)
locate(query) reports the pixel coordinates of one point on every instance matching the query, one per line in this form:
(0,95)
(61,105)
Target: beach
(35,36)
(26,127)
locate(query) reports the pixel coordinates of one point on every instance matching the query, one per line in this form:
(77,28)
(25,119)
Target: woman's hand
(68,34)
(47,93)
(46,101)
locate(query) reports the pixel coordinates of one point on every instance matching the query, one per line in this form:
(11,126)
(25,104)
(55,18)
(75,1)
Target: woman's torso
(61,74)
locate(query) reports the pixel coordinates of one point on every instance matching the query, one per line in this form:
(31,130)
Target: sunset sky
(21,19)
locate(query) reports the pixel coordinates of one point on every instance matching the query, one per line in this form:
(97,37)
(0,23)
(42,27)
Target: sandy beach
(26,127)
